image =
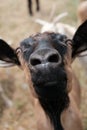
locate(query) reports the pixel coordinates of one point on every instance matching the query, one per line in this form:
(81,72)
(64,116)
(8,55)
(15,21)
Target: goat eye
(25,47)
(27,52)
(61,48)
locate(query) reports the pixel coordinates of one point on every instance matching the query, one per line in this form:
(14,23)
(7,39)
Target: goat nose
(45,56)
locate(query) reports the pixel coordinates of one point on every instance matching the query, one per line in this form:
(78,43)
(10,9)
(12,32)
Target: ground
(15,25)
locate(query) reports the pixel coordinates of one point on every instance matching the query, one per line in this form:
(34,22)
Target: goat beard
(54,108)
(53,99)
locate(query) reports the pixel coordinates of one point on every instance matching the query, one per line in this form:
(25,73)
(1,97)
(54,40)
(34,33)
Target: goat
(30,6)
(46,60)
(57,26)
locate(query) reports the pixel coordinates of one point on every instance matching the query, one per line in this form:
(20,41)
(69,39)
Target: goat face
(46,57)
(48,60)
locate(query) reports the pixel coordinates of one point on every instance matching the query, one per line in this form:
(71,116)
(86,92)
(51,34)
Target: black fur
(54,108)
(80,40)
(49,82)
(7,53)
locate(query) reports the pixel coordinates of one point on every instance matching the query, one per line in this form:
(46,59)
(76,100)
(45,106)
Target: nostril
(35,62)
(53,58)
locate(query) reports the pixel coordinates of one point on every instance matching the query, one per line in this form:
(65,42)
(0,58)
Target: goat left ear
(79,41)
(8,57)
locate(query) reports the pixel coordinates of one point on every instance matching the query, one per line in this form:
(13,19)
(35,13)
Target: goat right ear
(79,42)
(8,57)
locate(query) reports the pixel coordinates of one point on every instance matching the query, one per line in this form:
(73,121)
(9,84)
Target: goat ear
(79,42)
(8,56)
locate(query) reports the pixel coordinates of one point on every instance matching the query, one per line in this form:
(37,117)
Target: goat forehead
(43,38)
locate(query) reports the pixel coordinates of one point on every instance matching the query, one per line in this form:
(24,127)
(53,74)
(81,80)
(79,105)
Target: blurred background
(16,111)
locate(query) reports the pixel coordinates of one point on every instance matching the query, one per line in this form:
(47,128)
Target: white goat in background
(57,26)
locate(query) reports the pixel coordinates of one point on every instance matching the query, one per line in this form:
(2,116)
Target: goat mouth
(50,90)
(47,84)
(51,83)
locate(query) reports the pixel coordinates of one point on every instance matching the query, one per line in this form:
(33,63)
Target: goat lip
(53,83)
(47,84)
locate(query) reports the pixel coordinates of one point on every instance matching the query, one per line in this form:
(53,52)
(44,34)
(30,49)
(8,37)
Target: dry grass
(15,25)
